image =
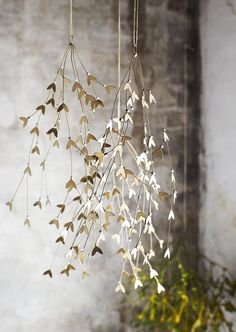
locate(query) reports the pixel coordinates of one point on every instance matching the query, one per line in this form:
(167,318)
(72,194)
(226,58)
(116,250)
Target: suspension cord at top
(135,25)
(71,22)
(118,68)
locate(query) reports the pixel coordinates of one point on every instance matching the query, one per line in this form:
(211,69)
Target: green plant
(191,302)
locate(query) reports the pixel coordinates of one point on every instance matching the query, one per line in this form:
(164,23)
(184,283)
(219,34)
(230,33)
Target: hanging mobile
(135,196)
(137,189)
(81,201)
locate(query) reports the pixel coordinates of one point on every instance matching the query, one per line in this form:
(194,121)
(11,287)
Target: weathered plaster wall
(218,217)
(218,213)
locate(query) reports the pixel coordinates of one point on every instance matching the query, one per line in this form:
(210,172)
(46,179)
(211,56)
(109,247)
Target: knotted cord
(135,25)
(119,56)
(71,22)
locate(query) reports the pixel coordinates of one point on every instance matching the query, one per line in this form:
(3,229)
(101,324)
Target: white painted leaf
(120,288)
(167,253)
(160,288)
(153,273)
(171,215)
(137,283)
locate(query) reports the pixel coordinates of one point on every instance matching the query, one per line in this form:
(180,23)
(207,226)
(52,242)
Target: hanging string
(71,22)
(119,56)
(185,191)
(135,25)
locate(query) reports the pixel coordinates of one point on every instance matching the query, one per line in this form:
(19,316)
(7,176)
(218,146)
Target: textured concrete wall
(218,213)
(32,38)
(170,54)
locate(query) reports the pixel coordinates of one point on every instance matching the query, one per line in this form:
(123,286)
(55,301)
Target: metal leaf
(24,120)
(53,131)
(96,249)
(62,107)
(41,108)
(48,272)
(52,87)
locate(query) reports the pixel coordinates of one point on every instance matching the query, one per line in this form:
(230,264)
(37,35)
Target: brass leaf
(84,229)
(70,267)
(51,101)
(60,239)
(85,274)
(79,139)
(36,150)
(90,79)
(158,153)
(106,194)
(116,191)
(27,222)
(121,251)
(67,270)
(163,195)
(77,198)
(96,103)
(28,170)
(140,215)
(100,156)
(81,257)
(53,131)
(41,108)
(48,272)
(77,85)
(62,107)
(89,98)
(106,226)
(120,218)
(70,185)
(90,179)
(61,207)
(56,143)
(70,144)
(24,120)
(83,119)
(125,274)
(128,172)
(90,137)
(38,203)
(96,249)
(10,205)
(54,222)
(52,87)
(35,130)
(69,225)
(109,88)
(121,172)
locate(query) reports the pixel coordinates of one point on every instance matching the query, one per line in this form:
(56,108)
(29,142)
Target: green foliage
(191,303)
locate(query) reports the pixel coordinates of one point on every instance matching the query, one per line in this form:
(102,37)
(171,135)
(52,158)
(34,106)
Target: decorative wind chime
(91,202)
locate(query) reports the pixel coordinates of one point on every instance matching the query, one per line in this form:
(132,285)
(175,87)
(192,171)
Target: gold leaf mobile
(90,202)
